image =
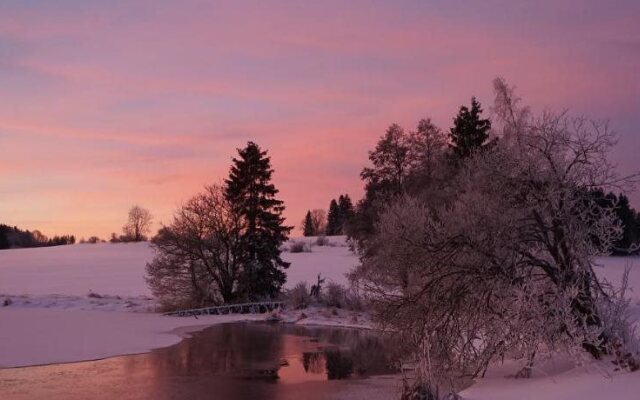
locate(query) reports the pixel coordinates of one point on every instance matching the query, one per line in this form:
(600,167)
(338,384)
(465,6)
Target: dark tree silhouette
(138,224)
(308,227)
(252,194)
(470,132)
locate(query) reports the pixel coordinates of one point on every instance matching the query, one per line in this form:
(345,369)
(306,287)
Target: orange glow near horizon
(106,106)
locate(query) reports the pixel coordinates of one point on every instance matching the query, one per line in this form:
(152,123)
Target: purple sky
(107,104)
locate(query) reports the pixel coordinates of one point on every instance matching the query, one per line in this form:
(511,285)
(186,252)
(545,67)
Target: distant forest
(12,237)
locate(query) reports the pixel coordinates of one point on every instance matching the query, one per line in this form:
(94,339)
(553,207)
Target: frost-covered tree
(506,266)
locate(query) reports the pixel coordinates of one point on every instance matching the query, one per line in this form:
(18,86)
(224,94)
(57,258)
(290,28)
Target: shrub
(322,241)
(335,295)
(299,247)
(298,297)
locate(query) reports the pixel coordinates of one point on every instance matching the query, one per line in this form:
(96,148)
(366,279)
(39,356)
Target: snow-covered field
(53,318)
(118,269)
(90,301)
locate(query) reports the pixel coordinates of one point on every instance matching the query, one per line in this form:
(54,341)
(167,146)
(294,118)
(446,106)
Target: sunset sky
(107,104)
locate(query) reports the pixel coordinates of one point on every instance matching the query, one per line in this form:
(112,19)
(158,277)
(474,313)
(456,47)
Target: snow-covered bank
(595,381)
(35,336)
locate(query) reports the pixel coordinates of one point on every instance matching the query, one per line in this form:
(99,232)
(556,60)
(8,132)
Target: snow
(53,319)
(44,336)
(561,380)
(105,268)
(595,381)
(118,269)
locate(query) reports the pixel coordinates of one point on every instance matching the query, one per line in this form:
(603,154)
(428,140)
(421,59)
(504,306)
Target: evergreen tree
(333,219)
(4,240)
(308,227)
(629,220)
(470,132)
(346,212)
(250,191)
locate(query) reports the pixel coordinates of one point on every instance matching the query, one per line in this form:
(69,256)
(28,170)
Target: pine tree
(308,227)
(470,132)
(346,212)
(250,191)
(4,240)
(333,219)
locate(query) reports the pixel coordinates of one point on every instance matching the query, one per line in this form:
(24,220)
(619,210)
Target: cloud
(107,104)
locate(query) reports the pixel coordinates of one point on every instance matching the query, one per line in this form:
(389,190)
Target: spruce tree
(470,132)
(4,240)
(251,192)
(308,227)
(333,219)
(346,212)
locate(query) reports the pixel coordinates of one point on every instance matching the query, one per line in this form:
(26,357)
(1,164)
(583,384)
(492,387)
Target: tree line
(318,222)
(480,243)
(13,237)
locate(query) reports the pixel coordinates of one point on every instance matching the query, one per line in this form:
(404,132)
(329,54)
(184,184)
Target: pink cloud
(108,106)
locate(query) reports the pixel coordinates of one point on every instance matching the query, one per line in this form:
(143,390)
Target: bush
(334,296)
(299,247)
(322,241)
(298,297)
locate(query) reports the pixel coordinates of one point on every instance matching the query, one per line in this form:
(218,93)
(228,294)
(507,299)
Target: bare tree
(319,218)
(138,224)
(197,259)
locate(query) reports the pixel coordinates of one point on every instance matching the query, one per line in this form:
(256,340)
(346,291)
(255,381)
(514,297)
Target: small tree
(333,219)
(308,227)
(138,224)
(319,218)
(470,132)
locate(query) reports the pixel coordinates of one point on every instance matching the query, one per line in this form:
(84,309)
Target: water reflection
(231,361)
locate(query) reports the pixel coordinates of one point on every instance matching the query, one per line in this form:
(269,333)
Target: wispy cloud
(107,104)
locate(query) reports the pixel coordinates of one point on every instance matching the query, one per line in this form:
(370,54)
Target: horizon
(106,106)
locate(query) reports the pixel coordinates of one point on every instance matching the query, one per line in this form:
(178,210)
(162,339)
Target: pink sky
(107,105)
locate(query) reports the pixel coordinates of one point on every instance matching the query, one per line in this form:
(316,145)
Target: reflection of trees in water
(240,349)
(313,362)
(221,350)
(339,364)
(370,353)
